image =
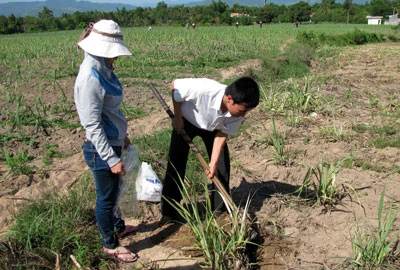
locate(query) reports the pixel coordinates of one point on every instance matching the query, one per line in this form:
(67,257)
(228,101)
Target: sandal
(128,229)
(122,254)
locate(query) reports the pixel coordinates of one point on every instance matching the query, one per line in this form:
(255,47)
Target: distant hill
(22,9)
(250,3)
(260,3)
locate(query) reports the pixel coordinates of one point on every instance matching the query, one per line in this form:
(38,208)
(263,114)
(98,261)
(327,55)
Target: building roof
(374,17)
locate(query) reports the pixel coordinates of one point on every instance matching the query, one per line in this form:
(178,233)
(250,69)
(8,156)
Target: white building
(393,20)
(375,20)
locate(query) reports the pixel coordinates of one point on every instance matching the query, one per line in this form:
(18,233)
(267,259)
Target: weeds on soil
(51,229)
(375,248)
(335,134)
(282,99)
(322,183)
(222,243)
(281,156)
(357,37)
(131,112)
(18,164)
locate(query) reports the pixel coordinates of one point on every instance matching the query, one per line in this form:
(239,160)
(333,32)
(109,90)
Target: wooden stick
(75,261)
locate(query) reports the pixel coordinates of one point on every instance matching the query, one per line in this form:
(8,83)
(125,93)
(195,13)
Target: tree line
(217,13)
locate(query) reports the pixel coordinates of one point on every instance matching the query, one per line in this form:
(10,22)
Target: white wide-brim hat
(105,40)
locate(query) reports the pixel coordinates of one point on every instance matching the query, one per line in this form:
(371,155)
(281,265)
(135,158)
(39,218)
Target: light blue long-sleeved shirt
(98,96)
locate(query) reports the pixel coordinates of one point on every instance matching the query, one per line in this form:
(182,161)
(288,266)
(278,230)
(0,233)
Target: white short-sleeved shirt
(201,105)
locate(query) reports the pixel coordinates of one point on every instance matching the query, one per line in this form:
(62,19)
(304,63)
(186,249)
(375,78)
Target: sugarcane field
(314,168)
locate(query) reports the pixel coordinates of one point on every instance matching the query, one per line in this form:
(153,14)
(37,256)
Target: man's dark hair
(244,91)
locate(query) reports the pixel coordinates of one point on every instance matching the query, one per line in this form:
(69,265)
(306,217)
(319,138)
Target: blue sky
(95,1)
(132,2)
(13,1)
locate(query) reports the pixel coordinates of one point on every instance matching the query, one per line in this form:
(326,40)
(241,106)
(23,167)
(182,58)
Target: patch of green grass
(368,166)
(360,128)
(18,164)
(28,140)
(51,228)
(291,97)
(277,140)
(26,115)
(293,119)
(319,184)
(222,243)
(386,130)
(281,155)
(383,142)
(302,99)
(59,122)
(62,108)
(154,149)
(51,152)
(388,134)
(375,248)
(292,63)
(357,37)
(335,134)
(373,102)
(131,112)
(348,95)
(351,161)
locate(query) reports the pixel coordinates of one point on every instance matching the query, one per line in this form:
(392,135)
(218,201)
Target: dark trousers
(107,190)
(176,168)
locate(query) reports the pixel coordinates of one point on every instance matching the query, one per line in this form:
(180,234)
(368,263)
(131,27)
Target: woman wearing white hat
(98,96)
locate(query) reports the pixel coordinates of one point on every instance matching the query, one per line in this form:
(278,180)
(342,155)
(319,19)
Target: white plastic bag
(148,186)
(127,202)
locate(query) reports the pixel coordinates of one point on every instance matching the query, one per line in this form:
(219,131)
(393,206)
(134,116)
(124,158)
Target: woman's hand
(118,169)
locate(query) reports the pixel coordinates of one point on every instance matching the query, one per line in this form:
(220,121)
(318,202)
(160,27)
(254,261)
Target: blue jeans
(107,189)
